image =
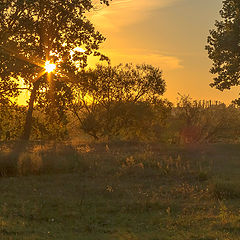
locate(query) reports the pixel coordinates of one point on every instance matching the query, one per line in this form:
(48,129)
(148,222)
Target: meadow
(120,191)
(146,168)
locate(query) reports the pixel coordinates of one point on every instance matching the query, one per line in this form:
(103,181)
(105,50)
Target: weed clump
(223,190)
(203,176)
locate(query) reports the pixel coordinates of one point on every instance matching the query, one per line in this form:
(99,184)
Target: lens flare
(49,67)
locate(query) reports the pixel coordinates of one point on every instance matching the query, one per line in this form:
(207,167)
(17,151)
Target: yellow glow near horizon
(49,67)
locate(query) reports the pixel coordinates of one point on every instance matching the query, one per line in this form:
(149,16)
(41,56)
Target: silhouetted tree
(224,46)
(8,89)
(122,83)
(123,101)
(33,32)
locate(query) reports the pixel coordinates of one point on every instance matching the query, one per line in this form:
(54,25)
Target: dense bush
(45,126)
(11,120)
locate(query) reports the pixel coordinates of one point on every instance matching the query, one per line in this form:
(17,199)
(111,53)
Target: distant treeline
(188,121)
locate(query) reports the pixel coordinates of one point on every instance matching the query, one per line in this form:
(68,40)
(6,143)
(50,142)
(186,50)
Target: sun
(49,67)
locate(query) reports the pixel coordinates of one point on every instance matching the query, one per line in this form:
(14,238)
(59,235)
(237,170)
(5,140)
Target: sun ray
(16,54)
(40,74)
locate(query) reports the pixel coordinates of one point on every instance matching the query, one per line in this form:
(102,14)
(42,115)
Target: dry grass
(119,191)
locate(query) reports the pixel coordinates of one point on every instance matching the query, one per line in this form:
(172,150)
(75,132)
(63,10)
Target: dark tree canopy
(224,47)
(124,83)
(33,32)
(121,100)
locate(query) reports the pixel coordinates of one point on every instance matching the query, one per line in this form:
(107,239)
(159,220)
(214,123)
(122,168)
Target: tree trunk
(28,122)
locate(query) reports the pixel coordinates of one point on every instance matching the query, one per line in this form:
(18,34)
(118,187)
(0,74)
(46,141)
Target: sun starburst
(49,67)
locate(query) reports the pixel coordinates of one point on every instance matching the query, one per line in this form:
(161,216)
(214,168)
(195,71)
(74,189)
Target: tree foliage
(11,120)
(224,46)
(122,83)
(32,32)
(203,121)
(122,101)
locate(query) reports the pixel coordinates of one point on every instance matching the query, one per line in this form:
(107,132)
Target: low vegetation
(122,190)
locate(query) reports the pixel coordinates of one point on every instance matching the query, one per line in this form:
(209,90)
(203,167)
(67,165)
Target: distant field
(121,191)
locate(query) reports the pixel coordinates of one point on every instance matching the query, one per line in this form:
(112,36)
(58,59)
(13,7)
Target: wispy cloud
(139,56)
(125,12)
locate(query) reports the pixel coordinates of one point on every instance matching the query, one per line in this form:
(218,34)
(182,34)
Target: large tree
(35,32)
(121,101)
(224,47)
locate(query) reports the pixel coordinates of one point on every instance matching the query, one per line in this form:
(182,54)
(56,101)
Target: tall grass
(119,159)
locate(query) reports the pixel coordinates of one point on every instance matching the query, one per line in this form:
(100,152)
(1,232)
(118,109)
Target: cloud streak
(139,56)
(125,12)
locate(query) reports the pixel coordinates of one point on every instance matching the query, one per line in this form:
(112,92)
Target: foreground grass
(125,192)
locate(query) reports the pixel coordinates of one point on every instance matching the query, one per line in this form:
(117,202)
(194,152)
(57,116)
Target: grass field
(127,191)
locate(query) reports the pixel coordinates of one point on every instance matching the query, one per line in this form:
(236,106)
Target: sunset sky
(170,34)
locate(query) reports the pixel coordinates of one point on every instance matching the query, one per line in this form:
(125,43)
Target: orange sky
(170,34)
